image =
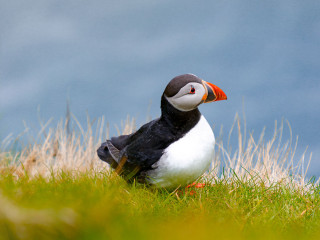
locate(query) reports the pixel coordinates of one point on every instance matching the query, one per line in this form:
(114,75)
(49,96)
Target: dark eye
(192,90)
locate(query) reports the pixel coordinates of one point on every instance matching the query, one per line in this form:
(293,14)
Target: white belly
(186,159)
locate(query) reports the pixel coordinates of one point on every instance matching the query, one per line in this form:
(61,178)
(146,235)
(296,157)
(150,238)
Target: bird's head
(186,92)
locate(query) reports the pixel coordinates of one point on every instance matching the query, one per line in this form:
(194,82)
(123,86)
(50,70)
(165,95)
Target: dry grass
(55,187)
(270,161)
(71,147)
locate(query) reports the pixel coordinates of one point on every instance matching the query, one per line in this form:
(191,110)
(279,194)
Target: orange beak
(213,93)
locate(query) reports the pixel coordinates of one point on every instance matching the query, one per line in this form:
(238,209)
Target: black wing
(148,143)
(140,150)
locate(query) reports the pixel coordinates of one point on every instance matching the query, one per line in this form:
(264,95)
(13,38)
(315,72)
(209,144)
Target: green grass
(55,187)
(102,206)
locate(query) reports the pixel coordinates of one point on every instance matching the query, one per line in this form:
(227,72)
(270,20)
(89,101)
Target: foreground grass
(101,206)
(55,187)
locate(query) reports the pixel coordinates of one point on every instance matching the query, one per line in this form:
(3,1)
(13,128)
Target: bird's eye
(192,90)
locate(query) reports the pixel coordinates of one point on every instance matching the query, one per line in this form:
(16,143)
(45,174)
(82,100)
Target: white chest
(186,159)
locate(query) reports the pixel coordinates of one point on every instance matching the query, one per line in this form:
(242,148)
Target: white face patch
(188,98)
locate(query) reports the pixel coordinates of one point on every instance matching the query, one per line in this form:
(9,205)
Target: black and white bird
(175,149)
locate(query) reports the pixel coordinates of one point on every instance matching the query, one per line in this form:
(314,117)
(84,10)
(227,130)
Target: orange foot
(191,192)
(196,185)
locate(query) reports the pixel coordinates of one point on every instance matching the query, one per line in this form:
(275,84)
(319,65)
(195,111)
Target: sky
(114,58)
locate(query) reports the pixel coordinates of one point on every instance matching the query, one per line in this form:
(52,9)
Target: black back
(145,147)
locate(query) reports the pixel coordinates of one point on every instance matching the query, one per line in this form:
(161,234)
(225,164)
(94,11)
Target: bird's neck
(176,118)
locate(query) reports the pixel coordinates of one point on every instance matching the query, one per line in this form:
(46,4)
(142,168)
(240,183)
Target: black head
(186,92)
(178,82)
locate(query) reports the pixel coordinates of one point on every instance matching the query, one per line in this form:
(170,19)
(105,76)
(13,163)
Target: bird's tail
(109,153)
(104,155)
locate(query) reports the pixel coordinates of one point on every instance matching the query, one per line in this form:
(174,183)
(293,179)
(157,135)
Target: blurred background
(114,58)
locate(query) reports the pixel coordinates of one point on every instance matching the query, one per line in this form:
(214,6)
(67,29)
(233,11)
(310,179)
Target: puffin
(173,150)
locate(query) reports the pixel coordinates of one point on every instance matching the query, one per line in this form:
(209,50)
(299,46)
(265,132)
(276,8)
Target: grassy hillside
(56,188)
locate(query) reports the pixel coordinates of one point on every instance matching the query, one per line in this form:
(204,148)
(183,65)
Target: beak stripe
(211,96)
(213,93)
